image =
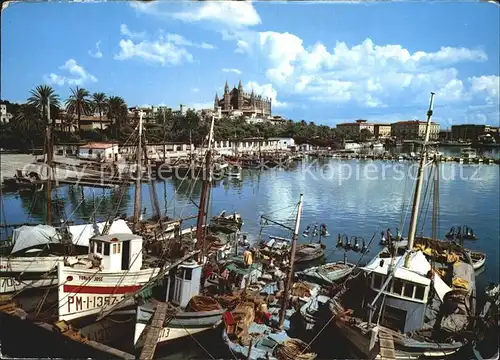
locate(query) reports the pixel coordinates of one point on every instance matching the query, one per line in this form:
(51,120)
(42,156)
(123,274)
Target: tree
(40,97)
(99,104)
(78,103)
(29,125)
(365,134)
(117,110)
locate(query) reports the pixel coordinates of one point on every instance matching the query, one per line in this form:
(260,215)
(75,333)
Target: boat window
(394,318)
(114,248)
(419,292)
(377,281)
(118,248)
(408,291)
(106,249)
(398,287)
(98,247)
(188,274)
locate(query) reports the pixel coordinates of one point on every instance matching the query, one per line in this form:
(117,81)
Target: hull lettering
(87,302)
(10,284)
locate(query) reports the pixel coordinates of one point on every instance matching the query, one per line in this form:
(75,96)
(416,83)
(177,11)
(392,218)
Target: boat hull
(184,323)
(410,349)
(13,284)
(83,292)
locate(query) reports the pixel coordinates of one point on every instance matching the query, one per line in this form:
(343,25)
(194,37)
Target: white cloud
(160,51)
(267,91)
(232,14)
(200,105)
(79,75)
(488,86)
(124,30)
(368,74)
(196,90)
(97,54)
(182,41)
(232,70)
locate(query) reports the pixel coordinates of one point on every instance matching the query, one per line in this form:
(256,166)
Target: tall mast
(418,189)
(435,201)
(292,260)
(137,200)
(200,240)
(48,152)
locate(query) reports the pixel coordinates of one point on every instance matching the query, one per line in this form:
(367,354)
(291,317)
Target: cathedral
(237,101)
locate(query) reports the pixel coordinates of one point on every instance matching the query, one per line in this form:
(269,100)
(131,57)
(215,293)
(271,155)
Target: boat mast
(292,260)
(48,152)
(418,189)
(137,199)
(200,240)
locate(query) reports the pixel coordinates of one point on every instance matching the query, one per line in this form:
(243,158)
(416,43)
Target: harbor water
(353,197)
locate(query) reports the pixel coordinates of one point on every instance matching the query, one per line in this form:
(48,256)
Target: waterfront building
(107,152)
(352,130)
(473,131)
(236,102)
(413,130)
(382,131)
(4,115)
(283,143)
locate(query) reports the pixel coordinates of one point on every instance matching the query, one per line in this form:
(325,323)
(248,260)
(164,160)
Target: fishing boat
(227,223)
(327,274)
(309,311)
(114,267)
(478,259)
(279,248)
(31,260)
(234,171)
(403,305)
(189,313)
(468,154)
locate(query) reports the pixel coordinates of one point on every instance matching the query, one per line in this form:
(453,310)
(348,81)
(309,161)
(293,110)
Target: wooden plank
(152,331)
(386,344)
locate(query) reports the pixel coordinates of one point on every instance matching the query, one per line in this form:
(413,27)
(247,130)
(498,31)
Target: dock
(152,331)
(386,344)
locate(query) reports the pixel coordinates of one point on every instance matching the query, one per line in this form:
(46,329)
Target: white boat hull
(12,284)
(167,333)
(32,264)
(84,292)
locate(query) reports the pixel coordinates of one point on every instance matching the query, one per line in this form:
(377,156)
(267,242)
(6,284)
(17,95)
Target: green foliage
(26,129)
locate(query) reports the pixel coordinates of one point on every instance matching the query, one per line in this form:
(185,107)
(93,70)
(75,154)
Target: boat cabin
(186,283)
(117,252)
(404,296)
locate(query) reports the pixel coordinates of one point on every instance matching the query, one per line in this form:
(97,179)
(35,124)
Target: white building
(283,143)
(305,147)
(4,115)
(99,151)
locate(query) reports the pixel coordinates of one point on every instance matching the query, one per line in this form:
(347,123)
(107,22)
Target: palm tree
(40,97)
(79,103)
(117,110)
(99,104)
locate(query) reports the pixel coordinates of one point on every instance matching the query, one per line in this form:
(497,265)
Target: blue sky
(322,62)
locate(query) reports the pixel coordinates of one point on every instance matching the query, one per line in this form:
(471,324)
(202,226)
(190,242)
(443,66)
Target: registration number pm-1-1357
(86,302)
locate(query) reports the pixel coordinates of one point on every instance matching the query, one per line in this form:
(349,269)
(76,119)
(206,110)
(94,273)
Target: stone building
(236,102)
(414,130)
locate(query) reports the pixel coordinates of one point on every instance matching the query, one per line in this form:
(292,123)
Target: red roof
(98,145)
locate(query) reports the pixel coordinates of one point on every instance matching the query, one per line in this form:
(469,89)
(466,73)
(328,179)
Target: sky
(321,62)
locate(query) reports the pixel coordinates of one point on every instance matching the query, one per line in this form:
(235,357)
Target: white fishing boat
(327,274)
(187,316)
(234,171)
(32,260)
(114,267)
(415,301)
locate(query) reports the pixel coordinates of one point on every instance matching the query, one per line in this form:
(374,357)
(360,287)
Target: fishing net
(301,289)
(292,349)
(203,303)
(229,301)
